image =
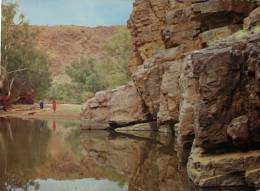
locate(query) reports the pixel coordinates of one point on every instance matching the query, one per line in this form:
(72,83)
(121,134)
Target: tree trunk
(1,84)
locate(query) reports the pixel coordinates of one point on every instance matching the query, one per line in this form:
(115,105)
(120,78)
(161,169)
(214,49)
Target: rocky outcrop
(230,169)
(226,76)
(226,114)
(149,76)
(115,108)
(145,23)
(253,19)
(185,25)
(210,94)
(205,85)
(138,127)
(169,95)
(190,25)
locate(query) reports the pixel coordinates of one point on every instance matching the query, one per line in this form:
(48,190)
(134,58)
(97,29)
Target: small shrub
(242,34)
(256,29)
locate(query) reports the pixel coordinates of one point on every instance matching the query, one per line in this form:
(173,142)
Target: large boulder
(110,109)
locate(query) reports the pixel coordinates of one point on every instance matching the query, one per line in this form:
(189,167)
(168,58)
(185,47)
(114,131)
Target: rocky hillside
(196,71)
(64,44)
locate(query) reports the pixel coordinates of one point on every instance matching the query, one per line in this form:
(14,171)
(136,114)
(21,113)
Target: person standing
(54,105)
(41,103)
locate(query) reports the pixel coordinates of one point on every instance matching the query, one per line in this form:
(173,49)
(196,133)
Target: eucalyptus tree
(23,67)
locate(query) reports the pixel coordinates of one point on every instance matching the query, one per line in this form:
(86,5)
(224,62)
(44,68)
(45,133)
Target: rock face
(189,25)
(155,24)
(253,19)
(109,109)
(149,76)
(211,93)
(227,108)
(230,169)
(226,114)
(145,23)
(195,75)
(182,26)
(238,130)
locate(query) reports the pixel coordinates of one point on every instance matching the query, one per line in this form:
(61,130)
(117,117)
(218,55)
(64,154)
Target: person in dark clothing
(41,103)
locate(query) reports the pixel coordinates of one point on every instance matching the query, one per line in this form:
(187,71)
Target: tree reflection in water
(23,147)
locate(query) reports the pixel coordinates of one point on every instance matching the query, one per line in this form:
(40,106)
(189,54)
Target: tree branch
(10,87)
(18,70)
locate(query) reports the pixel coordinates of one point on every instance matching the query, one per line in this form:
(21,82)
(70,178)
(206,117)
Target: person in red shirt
(54,105)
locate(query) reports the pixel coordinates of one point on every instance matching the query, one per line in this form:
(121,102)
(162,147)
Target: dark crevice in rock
(230,148)
(219,19)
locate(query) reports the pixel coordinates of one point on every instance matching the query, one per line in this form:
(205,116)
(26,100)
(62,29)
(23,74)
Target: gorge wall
(65,44)
(195,69)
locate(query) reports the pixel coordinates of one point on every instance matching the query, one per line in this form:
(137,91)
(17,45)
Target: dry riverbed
(64,111)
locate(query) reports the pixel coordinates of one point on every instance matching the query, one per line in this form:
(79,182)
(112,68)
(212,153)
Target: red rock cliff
(195,72)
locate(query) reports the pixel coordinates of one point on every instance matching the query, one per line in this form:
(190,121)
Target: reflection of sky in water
(72,185)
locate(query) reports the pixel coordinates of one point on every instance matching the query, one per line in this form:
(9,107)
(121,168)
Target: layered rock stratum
(195,68)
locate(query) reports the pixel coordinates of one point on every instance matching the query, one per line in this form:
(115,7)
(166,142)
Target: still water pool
(57,156)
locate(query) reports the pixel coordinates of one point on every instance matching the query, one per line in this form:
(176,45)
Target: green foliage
(85,82)
(256,29)
(85,76)
(57,92)
(19,59)
(245,33)
(68,93)
(242,34)
(90,75)
(113,65)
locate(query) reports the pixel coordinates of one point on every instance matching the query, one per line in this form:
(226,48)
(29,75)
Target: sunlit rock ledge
(227,169)
(116,108)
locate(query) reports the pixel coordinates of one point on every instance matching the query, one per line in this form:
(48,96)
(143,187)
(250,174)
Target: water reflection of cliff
(146,160)
(32,151)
